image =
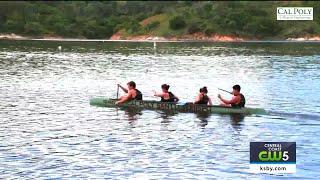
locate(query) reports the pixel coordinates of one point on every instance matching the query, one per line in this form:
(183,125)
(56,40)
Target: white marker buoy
(59,47)
(154,45)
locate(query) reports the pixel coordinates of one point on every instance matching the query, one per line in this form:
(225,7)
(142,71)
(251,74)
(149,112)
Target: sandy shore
(189,37)
(11,36)
(143,38)
(315,38)
(196,37)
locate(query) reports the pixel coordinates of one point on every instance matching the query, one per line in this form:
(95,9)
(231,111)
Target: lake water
(49,130)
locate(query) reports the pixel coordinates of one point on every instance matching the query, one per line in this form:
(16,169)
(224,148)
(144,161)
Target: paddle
(225,91)
(117,92)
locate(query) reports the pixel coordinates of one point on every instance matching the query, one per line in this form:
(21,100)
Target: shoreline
(145,38)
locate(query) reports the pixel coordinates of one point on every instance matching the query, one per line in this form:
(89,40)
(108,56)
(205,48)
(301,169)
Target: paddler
(237,101)
(133,93)
(202,97)
(166,96)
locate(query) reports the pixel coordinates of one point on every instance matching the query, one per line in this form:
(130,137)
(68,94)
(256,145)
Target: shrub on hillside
(209,30)
(177,23)
(33,28)
(152,25)
(141,16)
(193,28)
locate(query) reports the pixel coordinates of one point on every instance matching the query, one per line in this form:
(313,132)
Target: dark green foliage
(90,19)
(177,22)
(134,28)
(209,30)
(141,16)
(33,28)
(100,19)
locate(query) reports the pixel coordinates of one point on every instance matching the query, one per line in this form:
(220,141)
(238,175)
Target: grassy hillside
(244,19)
(101,19)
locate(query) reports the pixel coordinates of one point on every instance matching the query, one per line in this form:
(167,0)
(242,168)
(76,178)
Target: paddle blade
(181,103)
(118,92)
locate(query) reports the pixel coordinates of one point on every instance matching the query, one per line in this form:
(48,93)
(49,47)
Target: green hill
(101,19)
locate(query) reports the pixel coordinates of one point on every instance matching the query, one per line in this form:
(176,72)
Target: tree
(33,28)
(14,23)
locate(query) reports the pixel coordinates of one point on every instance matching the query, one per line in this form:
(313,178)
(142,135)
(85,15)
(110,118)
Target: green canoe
(180,107)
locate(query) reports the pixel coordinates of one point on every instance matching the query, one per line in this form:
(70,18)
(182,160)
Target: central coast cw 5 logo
(273,157)
(274,153)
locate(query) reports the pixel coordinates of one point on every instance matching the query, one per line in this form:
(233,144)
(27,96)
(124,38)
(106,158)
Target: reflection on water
(203,117)
(236,119)
(132,113)
(166,115)
(48,130)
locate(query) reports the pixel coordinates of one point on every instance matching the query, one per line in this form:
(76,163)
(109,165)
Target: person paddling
(202,97)
(133,93)
(166,96)
(237,101)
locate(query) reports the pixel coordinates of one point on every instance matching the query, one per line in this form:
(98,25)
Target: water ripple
(48,129)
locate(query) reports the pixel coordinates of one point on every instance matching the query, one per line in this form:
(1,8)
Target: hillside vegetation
(101,19)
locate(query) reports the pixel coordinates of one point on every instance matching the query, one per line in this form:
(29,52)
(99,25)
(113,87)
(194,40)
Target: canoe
(179,107)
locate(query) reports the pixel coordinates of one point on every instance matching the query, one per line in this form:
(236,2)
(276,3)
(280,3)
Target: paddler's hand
(118,85)
(219,96)
(154,92)
(117,102)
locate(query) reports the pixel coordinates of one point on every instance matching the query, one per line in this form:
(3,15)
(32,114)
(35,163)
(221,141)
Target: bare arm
(159,94)
(126,98)
(198,98)
(122,100)
(210,102)
(123,89)
(177,99)
(233,100)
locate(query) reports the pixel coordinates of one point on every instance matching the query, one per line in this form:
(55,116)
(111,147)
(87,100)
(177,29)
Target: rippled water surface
(49,130)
